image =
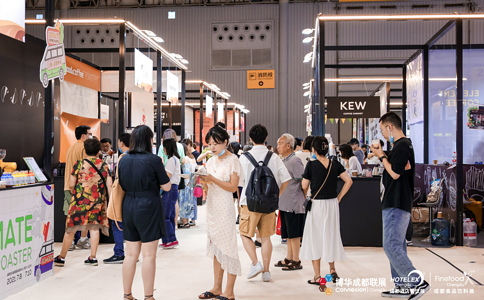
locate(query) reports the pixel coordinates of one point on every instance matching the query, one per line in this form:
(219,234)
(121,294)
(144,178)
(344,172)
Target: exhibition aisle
(185,272)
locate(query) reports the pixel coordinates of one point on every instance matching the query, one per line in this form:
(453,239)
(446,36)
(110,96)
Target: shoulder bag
(100,174)
(115,206)
(309,202)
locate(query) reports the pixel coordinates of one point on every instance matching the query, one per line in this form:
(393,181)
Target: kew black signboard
(353,107)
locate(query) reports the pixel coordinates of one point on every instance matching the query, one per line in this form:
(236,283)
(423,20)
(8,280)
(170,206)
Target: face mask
(313,156)
(222,153)
(392,139)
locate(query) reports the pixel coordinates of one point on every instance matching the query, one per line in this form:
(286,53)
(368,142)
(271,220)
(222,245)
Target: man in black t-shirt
(397,196)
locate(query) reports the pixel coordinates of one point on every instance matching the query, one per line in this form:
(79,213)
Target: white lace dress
(221,228)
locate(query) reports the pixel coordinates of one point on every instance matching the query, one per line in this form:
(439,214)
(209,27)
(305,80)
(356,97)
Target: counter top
(25,186)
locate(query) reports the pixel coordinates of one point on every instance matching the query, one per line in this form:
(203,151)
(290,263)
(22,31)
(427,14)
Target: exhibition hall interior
(241,149)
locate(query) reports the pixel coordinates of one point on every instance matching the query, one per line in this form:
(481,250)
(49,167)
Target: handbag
(115,206)
(198,189)
(309,202)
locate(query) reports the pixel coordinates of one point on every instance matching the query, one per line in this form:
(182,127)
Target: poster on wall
(69,123)
(12,19)
(209,106)
(415,91)
(78,100)
(143,71)
(142,110)
(53,64)
(172,87)
(104,113)
(220,112)
(27,248)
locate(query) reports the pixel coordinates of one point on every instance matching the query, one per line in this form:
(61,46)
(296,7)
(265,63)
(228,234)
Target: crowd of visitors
(296,185)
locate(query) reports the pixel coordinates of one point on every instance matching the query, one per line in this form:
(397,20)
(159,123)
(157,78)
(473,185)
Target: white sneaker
(266,276)
(255,270)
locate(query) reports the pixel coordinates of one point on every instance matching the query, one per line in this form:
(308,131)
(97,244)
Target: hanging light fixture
(308,39)
(307,31)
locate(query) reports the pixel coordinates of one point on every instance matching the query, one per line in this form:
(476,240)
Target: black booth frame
(319,93)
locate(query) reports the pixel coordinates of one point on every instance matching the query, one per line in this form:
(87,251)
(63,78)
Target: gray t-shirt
(292,200)
(360,155)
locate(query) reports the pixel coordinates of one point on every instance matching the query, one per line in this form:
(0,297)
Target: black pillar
(426,104)
(183,94)
(159,108)
(170,114)
(226,108)
(122,77)
(459,134)
(201,117)
(48,106)
(322,76)
(233,120)
(404,100)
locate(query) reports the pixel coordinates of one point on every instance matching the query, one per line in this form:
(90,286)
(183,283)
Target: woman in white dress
(322,237)
(225,175)
(350,161)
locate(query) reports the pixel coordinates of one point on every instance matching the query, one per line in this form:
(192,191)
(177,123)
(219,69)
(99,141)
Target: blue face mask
(222,153)
(392,139)
(313,156)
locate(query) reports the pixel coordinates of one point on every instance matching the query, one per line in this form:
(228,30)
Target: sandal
(148,297)
(187,225)
(334,275)
(129,297)
(283,263)
(294,265)
(315,281)
(208,295)
(223,298)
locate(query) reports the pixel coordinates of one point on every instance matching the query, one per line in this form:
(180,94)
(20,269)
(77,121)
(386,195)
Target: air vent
(261,57)
(421,6)
(453,5)
(354,7)
(388,7)
(241,58)
(221,58)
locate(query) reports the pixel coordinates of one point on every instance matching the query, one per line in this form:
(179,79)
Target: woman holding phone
(224,177)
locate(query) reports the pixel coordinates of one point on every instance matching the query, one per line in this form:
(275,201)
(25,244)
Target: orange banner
(208,123)
(68,127)
(82,74)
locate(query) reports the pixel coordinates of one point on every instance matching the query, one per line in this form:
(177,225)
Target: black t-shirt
(197,154)
(399,193)
(316,173)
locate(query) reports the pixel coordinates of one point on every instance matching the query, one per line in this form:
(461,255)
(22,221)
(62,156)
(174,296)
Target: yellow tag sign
(261,79)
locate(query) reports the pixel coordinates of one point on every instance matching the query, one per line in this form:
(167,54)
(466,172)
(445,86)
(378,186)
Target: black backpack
(262,189)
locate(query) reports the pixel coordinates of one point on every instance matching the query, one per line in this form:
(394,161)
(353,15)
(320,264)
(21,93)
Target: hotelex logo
(414,278)
(456,281)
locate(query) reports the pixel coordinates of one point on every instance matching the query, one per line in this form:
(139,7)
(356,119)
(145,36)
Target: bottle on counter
(9,179)
(454,159)
(470,233)
(31,178)
(440,231)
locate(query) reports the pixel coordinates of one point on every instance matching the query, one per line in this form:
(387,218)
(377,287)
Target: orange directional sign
(261,79)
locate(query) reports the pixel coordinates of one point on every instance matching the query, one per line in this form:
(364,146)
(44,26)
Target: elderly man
(291,204)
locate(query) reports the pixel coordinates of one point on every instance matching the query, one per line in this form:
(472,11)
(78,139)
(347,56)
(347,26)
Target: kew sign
(353,107)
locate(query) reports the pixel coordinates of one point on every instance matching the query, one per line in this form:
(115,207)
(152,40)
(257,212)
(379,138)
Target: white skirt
(322,237)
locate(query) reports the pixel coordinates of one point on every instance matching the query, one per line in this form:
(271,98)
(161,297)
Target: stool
(429,206)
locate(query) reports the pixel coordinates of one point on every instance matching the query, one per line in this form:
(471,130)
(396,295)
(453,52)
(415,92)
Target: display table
(26,237)
(360,213)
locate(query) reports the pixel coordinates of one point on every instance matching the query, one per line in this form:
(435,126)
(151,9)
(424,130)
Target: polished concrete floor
(185,272)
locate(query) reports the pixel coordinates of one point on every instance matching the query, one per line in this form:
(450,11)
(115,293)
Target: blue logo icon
(328,277)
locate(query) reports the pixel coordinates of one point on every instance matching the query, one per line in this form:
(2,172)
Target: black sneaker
(114,260)
(92,262)
(397,292)
(335,277)
(420,290)
(237,222)
(59,261)
(257,244)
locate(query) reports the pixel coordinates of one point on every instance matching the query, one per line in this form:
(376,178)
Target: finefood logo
(457,281)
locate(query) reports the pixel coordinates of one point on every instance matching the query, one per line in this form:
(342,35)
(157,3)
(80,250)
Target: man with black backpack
(266,178)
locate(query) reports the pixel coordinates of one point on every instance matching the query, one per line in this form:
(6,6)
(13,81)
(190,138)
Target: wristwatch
(381,158)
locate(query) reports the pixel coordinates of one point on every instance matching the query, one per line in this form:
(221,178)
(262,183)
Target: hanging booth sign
(353,107)
(53,64)
(261,79)
(82,74)
(104,113)
(415,91)
(209,109)
(172,87)
(143,71)
(220,112)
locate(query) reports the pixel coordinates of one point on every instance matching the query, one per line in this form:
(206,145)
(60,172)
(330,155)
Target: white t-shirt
(304,156)
(275,164)
(354,164)
(173,167)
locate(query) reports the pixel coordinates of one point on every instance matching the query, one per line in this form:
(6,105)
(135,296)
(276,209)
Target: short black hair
(298,142)
(220,124)
(258,133)
(354,141)
(320,145)
(364,146)
(308,142)
(346,151)
(106,140)
(125,138)
(92,147)
(169,145)
(392,118)
(235,147)
(80,130)
(218,134)
(140,140)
